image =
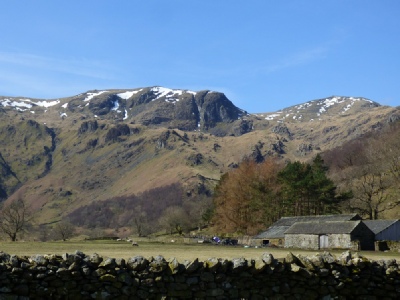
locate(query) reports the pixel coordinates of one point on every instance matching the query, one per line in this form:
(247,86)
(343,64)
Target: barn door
(323,241)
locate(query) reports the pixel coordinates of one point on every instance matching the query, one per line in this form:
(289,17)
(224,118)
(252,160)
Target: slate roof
(274,232)
(329,227)
(278,229)
(289,221)
(378,226)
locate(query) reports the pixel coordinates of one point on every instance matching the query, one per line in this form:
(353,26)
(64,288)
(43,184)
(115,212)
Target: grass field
(123,249)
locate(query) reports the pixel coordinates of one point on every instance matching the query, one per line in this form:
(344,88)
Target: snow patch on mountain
(273,116)
(46,103)
(169,94)
(116,106)
(21,105)
(126,95)
(304,105)
(90,96)
(25,104)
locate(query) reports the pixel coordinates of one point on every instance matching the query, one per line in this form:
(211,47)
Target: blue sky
(264,55)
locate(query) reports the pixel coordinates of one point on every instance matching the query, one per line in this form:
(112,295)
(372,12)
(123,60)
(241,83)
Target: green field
(123,249)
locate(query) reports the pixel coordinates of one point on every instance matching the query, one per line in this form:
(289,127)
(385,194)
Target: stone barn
(275,235)
(354,235)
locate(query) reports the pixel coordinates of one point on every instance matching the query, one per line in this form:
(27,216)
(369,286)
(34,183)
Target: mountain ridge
(169,95)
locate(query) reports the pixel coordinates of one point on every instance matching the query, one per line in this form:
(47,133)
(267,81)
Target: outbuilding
(387,234)
(354,235)
(384,230)
(275,234)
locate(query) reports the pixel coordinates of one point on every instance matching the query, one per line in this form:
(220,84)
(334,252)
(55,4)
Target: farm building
(384,230)
(387,234)
(275,235)
(353,235)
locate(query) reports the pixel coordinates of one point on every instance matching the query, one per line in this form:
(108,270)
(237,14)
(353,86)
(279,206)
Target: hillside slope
(61,154)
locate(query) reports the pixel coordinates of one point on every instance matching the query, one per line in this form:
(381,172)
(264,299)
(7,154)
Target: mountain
(62,154)
(156,106)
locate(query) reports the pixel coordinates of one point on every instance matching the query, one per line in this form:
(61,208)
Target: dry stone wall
(80,276)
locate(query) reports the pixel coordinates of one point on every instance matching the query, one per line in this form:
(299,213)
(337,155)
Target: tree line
(165,208)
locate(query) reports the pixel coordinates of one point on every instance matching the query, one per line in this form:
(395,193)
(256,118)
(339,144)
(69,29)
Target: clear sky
(263,54)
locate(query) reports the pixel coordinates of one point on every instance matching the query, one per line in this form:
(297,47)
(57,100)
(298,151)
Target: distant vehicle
(226,241)
(216,240)
(229,241)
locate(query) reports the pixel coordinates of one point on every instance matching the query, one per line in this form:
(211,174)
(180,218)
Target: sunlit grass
(123,249)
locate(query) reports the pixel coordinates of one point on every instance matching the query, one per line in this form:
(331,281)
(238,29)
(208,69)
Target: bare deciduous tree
(372,195)
(14,218)
(175,219)
(44,233)
(64,230)
(141,224)
(138,225)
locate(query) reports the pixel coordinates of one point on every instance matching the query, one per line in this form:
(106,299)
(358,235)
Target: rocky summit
(61,154)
